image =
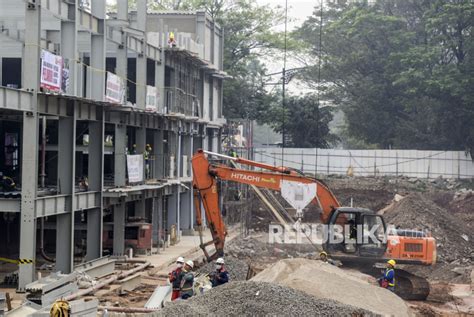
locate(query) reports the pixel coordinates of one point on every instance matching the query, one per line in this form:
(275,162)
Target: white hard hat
(180,259)
(220,261)
(190,263)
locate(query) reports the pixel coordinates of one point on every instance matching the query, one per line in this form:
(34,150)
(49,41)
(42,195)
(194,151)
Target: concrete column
(29,147)
(158,153)
(120,165)
(96,172)
(119,229)
(97,58)
(66,173)
(69,46)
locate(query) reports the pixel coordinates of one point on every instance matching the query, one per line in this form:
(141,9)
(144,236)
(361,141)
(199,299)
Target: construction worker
(146,156)
(7,184)
(388,279)
(220,275)
(175,279)
(187,280)
(323,256)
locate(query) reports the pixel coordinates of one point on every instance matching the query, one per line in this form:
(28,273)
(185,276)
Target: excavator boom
(205,183)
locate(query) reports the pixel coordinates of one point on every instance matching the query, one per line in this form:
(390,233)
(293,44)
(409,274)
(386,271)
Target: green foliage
(401,70)
(304,124)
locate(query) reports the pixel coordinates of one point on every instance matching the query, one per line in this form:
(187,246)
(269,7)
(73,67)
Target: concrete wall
(411,163)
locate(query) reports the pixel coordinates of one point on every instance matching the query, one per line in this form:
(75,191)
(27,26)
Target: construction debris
(453,236)
(328,282)
(251,298)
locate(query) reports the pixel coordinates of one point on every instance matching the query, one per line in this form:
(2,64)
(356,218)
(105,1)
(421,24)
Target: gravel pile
(328,282)
(258,299)
(237,268)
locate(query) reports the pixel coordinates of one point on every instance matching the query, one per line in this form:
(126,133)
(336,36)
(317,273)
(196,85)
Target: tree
(401,70)
(305,124)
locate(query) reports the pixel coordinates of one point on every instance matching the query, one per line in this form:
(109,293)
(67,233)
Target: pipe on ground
(110,280)
(127,309)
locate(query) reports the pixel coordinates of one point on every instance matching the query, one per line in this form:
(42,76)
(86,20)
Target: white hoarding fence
(51,71)
(115,88)
(151,99)
(135,168)
(410,163)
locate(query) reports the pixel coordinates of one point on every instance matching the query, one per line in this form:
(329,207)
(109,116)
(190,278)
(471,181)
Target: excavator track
(410,286)
(407,285)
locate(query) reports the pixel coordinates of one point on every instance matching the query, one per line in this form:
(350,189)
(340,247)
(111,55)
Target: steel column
(97,58)
(141,56)
(119,229)
(120,140)
(69,45)
(29,155)
(66,175)
(96,172)
(158,153)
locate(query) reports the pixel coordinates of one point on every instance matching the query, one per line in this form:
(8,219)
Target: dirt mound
(454,238)
(258,299)
(328,282)
(237,268)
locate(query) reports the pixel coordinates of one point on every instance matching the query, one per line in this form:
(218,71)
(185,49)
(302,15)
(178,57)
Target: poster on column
(51,71)
(135,168)
(151,99)
(115,89)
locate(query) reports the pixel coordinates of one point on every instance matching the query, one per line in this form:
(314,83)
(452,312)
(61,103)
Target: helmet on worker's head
(323,253)
(180,260)
(190,263)
(391,262)
(220,261)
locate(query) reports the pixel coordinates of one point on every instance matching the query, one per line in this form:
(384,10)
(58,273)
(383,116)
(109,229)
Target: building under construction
(100,114)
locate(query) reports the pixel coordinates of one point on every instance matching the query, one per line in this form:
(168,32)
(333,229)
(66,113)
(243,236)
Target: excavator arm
(205,177)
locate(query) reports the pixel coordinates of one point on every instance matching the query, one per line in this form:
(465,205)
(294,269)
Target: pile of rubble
(258,299)
(237,268)
(328,282)
(453,236)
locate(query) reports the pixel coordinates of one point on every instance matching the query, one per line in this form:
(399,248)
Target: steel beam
(9,205)
(29,154)
(97,268)
(130,283)
(14,99)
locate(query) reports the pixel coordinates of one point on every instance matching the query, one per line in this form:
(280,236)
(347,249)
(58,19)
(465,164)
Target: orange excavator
(404,246)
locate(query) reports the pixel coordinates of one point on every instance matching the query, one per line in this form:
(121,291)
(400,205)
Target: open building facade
(99,116)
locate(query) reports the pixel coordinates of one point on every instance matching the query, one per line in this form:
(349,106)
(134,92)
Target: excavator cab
(357,232)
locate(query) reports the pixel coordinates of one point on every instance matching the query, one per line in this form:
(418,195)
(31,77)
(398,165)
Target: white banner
(115,89)
(51,71)
(135,168)
(151,99)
